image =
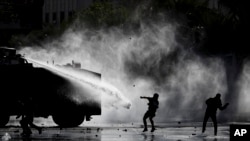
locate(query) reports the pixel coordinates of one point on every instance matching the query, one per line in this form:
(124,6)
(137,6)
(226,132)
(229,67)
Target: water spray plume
(157,58)
(117,97)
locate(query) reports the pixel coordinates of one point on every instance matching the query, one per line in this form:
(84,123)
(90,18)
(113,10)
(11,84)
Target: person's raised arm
(144,97)
(223,107)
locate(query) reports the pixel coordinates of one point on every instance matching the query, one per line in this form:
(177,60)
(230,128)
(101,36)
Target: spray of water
(154,58)
(243,102)
(114,95)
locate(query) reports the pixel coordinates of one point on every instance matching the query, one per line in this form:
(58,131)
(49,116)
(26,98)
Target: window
(62,16)
(70,14)
(47,18)
(54,20)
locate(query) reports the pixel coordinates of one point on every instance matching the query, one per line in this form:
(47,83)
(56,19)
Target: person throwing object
(150,113)
(212,105)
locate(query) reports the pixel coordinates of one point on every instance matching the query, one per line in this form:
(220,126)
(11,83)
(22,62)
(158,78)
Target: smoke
(148,60)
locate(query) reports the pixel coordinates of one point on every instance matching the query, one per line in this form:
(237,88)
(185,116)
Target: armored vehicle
(67,100)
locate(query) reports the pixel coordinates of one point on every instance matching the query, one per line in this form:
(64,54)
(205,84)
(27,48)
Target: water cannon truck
(68,102)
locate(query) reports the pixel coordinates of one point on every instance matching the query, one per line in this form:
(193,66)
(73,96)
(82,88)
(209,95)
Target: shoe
(202,135)
(153,129)
(145,129)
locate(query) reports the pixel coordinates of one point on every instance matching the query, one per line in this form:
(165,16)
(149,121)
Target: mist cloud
(244,98)
(148,60)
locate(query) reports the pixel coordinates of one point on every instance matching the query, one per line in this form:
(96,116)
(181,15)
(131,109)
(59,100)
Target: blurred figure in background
(27,115)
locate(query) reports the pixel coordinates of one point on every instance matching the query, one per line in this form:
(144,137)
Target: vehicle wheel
(4,119)
(71,119)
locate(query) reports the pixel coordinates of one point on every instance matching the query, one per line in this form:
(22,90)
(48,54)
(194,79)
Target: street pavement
(119,132)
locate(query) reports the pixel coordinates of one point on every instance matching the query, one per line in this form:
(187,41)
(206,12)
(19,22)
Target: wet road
(119,132)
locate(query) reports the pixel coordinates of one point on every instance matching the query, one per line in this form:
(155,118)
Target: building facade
(57,11)
(23,16)
(19,17)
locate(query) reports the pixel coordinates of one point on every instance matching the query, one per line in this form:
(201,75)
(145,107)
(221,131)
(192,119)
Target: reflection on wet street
(118,132)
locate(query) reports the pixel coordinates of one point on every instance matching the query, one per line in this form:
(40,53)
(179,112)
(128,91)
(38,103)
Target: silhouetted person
(27,117)
(212,105)
(152,107)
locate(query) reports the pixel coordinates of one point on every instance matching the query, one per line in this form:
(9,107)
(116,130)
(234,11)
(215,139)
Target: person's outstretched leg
(30,122)
(26,130)
(145,122)
(152,123)
(205,122)
(215,123)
